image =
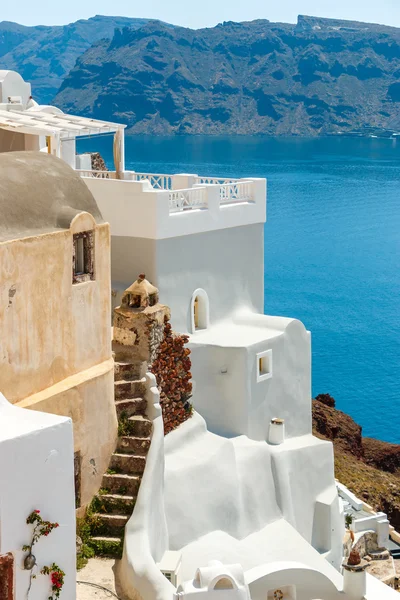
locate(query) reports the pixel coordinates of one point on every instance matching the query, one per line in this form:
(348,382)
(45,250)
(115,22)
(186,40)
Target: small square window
(264,365)
(83,257)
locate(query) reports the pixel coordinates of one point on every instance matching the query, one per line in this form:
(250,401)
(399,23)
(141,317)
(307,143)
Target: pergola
(58,127)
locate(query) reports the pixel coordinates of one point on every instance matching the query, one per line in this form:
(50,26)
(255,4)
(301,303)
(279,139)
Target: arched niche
(223,583)
(199,310)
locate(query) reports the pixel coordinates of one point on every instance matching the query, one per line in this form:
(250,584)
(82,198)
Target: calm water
(332,244)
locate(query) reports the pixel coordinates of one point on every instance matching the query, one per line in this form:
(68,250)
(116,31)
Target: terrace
(152,205)
(158,205)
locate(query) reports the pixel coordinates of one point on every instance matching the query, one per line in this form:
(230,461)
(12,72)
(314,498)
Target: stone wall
(98,163)
(171,368)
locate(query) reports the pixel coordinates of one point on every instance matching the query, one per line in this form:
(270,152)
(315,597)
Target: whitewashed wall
(228,393)
(37,472)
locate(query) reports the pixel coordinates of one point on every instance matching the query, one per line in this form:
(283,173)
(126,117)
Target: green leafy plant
(83,530)
(348,520)
(123,426)
(41,528)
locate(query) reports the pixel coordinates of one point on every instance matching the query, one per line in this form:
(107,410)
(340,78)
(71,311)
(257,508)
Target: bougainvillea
(41,528)
(57,579)
(172,372)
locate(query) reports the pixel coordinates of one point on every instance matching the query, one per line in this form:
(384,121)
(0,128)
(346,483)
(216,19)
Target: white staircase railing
(193,198)
(241,191)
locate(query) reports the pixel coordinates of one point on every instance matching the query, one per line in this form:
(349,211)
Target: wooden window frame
(88,273)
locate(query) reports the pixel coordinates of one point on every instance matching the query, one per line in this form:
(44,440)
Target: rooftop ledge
(158,206)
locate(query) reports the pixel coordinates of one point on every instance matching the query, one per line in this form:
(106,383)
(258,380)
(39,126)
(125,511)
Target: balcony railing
(231,191)
(158,181)
(241,191)
(96,174)
(190,199)
(214,180)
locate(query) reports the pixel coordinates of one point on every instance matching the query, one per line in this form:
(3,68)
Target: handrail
(158,181)
(190,199)
(215,180)
(96,174)
(241,191)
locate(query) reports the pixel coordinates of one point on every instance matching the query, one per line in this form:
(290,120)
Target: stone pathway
(100,572)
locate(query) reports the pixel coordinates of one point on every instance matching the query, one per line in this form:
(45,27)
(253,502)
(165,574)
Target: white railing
(193,198)
(241,191)
(214,180)
(96,174)
(158,181)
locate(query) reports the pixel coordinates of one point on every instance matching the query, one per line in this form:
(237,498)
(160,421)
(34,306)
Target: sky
(204,13)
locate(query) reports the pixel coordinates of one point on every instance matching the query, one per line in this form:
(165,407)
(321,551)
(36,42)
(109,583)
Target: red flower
(37,512)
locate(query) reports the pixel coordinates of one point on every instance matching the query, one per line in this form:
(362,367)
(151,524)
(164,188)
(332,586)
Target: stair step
(125,389)
(114,504)
(134,445)
(129,464)
(131,406)
(139,426)
(107,546)
(127,370)
(113,525)
(121,484)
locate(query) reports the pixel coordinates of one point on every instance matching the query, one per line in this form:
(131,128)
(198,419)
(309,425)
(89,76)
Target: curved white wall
(12,84)
(309,583)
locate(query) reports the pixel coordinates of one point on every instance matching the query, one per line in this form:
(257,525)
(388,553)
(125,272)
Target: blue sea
(332,248)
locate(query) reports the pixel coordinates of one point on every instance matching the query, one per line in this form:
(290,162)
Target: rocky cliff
(368,467)
(319,76)
(45,55)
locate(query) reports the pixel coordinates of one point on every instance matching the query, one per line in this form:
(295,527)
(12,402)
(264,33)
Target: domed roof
(142,287)
(40,193)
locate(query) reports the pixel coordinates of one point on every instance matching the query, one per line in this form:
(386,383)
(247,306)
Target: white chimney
(276,433)
(355,576)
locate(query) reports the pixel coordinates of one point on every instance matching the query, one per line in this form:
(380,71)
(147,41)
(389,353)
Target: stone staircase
(113,505)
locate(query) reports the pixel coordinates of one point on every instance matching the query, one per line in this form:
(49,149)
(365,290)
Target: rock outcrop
(242,78)
(369,468)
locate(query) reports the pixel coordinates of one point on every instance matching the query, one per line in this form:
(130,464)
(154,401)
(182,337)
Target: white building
(36,473)
(222,582)
(244,481)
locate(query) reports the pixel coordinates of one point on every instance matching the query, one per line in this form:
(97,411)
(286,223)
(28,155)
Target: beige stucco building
(55,348)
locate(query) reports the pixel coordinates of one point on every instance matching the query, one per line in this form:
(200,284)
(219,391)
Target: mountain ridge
(44,54)
(257,77)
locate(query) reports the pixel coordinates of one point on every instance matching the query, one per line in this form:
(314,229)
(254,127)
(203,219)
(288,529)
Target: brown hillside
(369,468)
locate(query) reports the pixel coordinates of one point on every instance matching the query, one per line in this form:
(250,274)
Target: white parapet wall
(362,522)
(37,473)
(347,495)
(136,209)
